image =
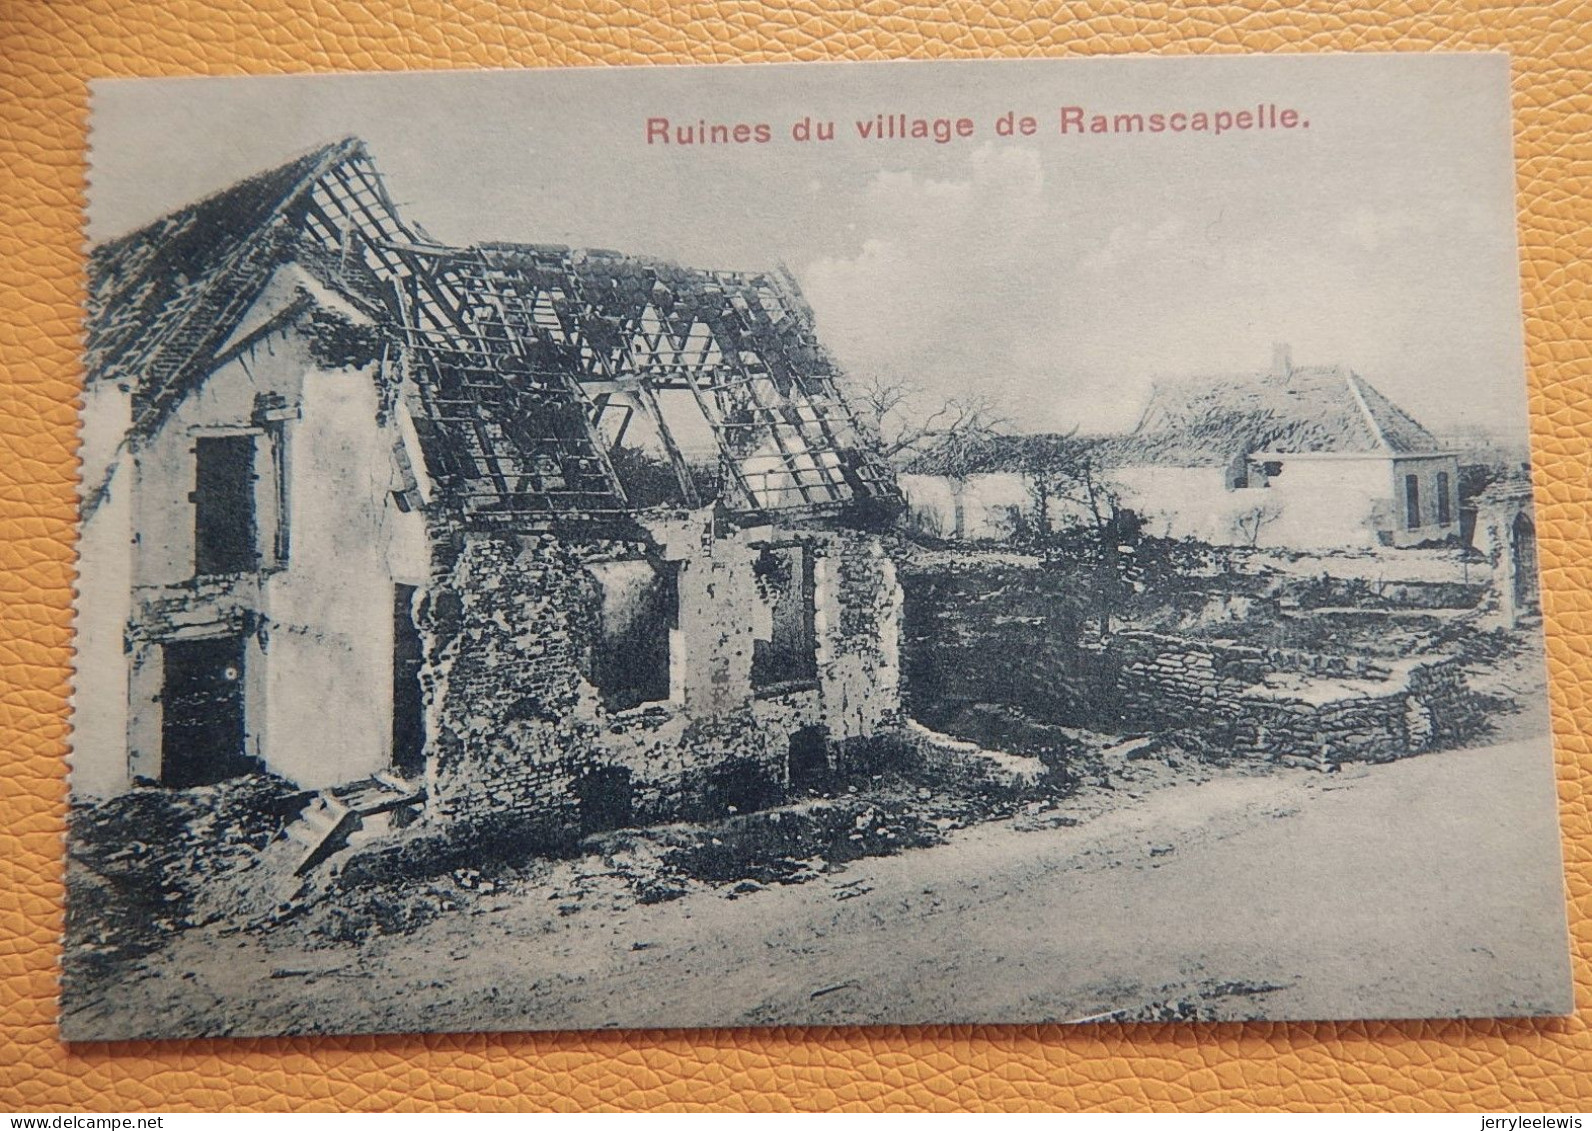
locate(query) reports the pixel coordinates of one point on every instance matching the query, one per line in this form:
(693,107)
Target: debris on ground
(140,864)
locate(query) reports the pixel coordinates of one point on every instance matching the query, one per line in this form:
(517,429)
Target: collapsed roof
(520,365)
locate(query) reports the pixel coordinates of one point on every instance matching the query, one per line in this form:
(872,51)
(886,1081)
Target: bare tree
(1067,469)
(907,422)
(1064,468)
(1252,521)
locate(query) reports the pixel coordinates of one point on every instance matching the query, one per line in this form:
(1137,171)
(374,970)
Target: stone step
(321,816)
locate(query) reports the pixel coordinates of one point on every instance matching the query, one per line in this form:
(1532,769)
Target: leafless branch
(905,424)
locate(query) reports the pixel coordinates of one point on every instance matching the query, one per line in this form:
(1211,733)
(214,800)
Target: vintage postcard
(1035,541)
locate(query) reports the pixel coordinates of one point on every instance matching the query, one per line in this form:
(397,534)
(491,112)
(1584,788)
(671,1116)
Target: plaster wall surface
(1321,504)
(1308,503)
(987,507)
(1179,502)
(104,601)
(328,613)
(316,614)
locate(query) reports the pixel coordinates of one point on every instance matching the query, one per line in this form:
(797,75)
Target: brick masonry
(517,733)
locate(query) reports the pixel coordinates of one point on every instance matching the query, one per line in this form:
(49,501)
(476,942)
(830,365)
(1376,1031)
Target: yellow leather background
(49,48)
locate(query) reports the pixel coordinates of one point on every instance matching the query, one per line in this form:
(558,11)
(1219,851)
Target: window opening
(807,759)
(223,499)
(790,654)
(640,612)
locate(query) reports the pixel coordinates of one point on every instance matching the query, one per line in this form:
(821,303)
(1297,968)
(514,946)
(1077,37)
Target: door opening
(808,760)
(1523,562)
(202,735)
(408,698)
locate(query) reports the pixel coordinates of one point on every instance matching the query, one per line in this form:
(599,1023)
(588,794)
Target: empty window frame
(631,660)
(1412,501)
(789,656)
(225,528)
(1445,506)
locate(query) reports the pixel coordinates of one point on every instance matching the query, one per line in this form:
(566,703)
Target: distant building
(1308,458)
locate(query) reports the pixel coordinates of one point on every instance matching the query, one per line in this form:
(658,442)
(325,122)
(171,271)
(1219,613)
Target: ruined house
(1506,534)
(1308,458)
(573,538)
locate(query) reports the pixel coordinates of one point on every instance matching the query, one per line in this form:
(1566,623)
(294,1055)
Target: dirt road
(1427,887)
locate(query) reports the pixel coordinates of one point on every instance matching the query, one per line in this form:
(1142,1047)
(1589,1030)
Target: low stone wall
(1289,705)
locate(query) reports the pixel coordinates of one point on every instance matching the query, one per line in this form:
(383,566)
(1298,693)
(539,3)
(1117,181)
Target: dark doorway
(1523,561)
(408,701)
(223,505)
(201,740)
(808,759)
(605,798)
(741,786)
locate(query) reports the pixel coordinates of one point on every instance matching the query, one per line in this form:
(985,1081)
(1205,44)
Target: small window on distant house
(790,654)
(640,610)
(1445,508)
(223,505)
(1412,501)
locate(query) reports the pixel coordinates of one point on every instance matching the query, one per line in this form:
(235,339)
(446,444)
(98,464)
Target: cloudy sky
(1057,274)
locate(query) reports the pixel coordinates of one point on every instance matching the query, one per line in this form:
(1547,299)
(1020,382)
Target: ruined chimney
(1281,361)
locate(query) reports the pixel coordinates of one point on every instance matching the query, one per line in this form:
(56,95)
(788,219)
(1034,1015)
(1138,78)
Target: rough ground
(1427,887)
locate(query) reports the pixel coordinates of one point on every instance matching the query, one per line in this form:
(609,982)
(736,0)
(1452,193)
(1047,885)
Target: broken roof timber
(506,345)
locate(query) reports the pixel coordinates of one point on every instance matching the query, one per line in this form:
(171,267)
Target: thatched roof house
(1308,457)
(1314,410)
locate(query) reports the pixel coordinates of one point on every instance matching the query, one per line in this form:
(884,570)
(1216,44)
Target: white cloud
(950,278)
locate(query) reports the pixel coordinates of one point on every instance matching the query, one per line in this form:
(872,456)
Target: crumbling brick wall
(518,733)
(1285,705)
(858,621)
(504,632)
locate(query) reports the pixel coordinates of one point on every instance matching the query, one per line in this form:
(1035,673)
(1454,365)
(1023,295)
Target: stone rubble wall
(1290,706)
(517,733)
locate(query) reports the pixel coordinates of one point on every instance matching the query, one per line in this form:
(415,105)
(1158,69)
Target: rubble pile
(138,863)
